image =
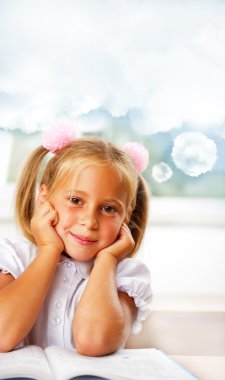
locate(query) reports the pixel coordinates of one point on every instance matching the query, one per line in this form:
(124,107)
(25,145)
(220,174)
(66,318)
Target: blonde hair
(74,157)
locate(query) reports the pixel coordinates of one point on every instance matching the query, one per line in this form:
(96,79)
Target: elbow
(98,343)
(8,341)
(89,345)
(94,348)
(6,345)
(90,349)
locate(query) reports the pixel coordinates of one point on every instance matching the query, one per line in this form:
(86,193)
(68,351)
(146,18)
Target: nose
(88,219)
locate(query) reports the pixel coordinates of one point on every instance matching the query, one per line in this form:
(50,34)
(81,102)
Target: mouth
(83,240)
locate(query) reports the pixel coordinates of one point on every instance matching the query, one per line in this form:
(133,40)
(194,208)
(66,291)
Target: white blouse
(54,323)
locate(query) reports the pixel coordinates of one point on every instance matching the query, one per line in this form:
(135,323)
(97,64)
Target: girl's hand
(123,245)
(43,227)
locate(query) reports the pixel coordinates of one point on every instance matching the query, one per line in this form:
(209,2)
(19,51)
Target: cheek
(64,221)
(112,231)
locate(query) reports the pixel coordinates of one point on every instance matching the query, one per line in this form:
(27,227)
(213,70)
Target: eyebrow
(83,193)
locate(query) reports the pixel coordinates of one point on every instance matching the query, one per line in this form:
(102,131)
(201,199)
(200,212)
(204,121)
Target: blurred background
(151,71)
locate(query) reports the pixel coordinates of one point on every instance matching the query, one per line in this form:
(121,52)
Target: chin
(79,256)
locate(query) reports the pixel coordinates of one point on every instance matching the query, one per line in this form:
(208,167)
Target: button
(58,304)
(68,264)
(65,279)
(56,321)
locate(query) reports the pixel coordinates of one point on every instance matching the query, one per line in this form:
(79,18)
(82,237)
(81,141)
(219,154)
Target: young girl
(74,282)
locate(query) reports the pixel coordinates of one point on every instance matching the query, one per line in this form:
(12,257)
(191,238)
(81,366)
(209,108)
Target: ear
(43,195)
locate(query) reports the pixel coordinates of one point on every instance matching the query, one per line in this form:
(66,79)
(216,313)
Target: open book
(55,363)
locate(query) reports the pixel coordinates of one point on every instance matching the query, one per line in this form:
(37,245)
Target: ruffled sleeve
(133,278)
(14,258)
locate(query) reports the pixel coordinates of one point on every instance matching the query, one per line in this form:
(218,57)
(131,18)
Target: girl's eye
(109,209)
(74,200)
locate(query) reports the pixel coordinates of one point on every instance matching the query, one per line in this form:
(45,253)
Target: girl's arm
(104,316)
(21,299)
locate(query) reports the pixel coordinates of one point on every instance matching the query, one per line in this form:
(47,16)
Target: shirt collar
(83,267)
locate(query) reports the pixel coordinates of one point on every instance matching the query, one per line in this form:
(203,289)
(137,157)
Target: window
(164,177)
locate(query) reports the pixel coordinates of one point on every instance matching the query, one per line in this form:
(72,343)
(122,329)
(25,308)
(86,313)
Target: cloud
(161,63)
(194,153)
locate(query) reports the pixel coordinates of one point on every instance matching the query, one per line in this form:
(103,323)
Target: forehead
(103,181)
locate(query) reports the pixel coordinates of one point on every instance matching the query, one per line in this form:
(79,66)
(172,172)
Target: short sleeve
(14,258)
(133,278)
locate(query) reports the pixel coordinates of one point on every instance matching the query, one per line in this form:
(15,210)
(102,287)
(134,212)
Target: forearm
(21,300)
(99,325)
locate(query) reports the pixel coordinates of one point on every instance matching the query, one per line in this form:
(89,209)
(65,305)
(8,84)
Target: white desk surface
(203,367)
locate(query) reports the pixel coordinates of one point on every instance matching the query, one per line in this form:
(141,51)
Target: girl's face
(91,210)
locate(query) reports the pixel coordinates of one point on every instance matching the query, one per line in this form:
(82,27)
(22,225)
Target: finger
(47,213)
(45,208)
(55,218)
(126,228)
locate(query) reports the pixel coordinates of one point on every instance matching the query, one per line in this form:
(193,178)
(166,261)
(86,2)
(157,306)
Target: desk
(203,367)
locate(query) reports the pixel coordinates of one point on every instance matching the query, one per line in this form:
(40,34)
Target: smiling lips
(82,240)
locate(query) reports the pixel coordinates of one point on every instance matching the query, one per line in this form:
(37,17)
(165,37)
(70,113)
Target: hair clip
(58,136)
(138,153)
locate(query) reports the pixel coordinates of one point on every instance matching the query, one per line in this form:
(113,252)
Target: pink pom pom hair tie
(138,153)
(62,134)
(58,136)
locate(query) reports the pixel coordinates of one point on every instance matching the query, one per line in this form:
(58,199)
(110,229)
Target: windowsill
(7,202)
(187,211)
(163,210)
(199,303)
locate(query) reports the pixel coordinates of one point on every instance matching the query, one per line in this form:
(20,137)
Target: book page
(28,361)
(127,364)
